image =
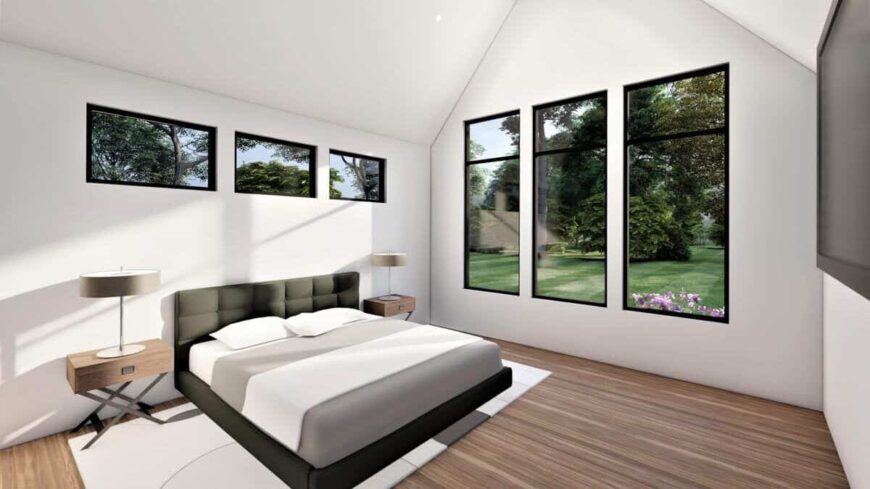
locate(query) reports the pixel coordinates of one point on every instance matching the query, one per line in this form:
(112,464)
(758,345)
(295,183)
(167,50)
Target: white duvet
(277,400)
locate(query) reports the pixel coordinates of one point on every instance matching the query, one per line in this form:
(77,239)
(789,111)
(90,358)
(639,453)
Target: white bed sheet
(203,356)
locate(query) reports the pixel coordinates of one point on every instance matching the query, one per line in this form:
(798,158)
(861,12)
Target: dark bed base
(353,469)
(200,312)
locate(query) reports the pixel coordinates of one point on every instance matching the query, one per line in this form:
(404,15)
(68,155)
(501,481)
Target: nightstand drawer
(87,372)
(401,306)
(406,304)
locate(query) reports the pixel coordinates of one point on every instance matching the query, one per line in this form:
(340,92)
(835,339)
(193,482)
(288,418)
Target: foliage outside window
(356,177)
(570,220)
(275,167)
(492,217)
(677,195)
(136,149)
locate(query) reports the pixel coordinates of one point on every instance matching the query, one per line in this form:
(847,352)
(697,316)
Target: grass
(494,271)
(576,277)
(704,274)
(571,276)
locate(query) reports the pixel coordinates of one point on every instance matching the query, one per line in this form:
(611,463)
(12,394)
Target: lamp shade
(389,259)
(117,283)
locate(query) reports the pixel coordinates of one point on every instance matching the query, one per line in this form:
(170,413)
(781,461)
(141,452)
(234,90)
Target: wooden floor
(589,425)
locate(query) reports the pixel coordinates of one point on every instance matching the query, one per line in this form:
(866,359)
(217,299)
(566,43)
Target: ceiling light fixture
(438,18)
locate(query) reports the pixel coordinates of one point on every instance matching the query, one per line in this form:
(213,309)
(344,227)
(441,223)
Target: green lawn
(573,277)
(494,271)
(704,274)
(580,278)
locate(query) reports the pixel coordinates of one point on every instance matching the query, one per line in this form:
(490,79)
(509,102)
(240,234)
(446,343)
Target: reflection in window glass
(492,213)
(570,200)
(493,225)
(494,138)
(677,224)
(355,177)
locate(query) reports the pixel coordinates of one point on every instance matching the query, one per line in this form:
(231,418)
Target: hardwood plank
(596,425)
(588,425)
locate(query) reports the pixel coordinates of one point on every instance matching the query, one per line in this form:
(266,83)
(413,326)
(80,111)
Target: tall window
(570,219)
(356,177)
(492,203)
(676,195)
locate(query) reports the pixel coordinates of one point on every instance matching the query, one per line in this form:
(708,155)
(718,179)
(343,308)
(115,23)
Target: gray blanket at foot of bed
(342,425)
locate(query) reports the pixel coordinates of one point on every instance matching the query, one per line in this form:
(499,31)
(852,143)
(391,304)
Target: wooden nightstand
(406,304)
(86,373)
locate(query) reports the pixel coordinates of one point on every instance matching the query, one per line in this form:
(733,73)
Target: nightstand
(405,304)
(88,374)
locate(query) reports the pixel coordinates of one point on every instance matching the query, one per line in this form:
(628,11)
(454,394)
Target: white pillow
(324,321)
(251,332)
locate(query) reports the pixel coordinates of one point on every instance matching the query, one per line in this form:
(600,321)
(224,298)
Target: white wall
(847,378)
(54,226)
(552,49)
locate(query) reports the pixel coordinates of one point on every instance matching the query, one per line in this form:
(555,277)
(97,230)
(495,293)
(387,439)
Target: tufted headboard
(200,312)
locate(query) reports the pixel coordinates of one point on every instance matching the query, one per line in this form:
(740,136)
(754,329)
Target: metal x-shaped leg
(128,408)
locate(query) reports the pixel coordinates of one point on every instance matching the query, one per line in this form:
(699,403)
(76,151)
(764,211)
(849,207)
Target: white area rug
(191,451)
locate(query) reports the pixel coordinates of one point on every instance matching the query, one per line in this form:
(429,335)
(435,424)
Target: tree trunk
(179,164)
(540,196)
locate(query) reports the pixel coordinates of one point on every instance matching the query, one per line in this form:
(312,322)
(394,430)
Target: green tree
(686,173)
(334,177)
(273,177)
(128,149)
(364,176)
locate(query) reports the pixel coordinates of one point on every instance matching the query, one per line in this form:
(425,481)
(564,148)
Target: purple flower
(669,301)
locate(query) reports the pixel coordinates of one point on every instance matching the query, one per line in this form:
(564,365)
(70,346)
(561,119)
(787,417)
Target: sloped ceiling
(792,26)
(392,67)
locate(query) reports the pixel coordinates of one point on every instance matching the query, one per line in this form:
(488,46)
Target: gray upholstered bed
(353,436)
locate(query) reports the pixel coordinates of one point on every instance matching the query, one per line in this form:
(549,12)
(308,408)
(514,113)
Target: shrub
(683,302)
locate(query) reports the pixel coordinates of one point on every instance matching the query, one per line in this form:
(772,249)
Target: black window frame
(466,163)
(212,147)
(724,131)
(567,150)
(382,172)
(312,164)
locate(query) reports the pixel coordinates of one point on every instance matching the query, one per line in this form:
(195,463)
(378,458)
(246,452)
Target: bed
(299,407)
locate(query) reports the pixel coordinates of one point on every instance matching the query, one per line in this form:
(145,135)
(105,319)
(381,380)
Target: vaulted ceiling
(392,67)
(793,26)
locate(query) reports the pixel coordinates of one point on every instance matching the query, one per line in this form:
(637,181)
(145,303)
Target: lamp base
(116,352)
(389,298)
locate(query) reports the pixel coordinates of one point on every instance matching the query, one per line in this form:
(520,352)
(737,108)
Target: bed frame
(201,312)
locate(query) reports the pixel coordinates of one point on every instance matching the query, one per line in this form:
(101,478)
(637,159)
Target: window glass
(271,166)
(570,220)
(494,138)
(493,222)
(677,215)
(354,177)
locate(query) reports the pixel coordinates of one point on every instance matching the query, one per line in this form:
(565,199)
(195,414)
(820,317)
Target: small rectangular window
(129,148)
(274,167)
(676,195)
(356,177)
(492,203)
(570,218)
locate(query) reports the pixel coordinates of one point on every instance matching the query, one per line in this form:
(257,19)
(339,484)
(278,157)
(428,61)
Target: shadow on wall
(38,401)
(46,382)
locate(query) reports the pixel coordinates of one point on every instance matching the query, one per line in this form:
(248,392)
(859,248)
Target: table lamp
(389,260)
(119,283)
